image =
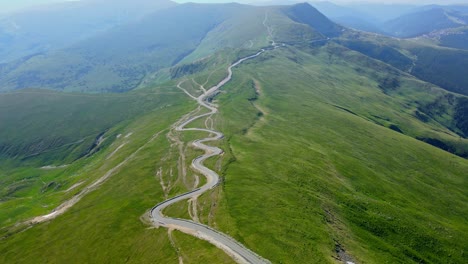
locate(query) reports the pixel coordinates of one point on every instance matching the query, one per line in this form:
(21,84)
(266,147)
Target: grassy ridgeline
(308,178)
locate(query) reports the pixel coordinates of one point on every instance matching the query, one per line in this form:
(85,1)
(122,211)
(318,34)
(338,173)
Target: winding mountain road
(236,250)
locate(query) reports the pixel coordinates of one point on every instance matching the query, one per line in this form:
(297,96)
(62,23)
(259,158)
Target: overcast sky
(10,5)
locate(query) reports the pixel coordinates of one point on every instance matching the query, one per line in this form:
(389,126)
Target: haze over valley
(153,131)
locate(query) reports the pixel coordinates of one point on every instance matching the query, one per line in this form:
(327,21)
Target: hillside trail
(270,30)
(233,248)
(65,206)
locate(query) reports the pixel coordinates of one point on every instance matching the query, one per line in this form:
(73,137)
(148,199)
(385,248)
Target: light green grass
(313,175)
(319,168)
(105,226)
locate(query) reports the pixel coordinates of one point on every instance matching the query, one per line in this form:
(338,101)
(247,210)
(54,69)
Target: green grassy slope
(321,163)
(442,67)
(38,125)
(247,30)
(243,30)
(106,225)
(77,120)
(439,65)
(309,178)
(41,129)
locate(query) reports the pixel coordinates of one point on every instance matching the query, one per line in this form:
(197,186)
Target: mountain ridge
(150,45)
(424,22)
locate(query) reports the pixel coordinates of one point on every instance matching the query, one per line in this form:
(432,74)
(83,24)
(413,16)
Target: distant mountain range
(40,30)
(426,20)
(125,55)
(121,47)
(404,21)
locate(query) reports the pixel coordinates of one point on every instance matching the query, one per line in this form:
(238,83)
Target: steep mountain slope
(438,65)
(327,180)
(47,136)
(50,128)
(306,14)
(453,38)
(58,25)
(112,232)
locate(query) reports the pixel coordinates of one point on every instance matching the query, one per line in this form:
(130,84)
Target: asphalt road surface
(236,250)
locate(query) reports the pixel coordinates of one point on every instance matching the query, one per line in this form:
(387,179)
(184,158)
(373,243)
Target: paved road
(236,250)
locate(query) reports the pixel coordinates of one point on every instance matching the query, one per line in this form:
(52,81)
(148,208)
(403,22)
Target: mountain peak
(304,13)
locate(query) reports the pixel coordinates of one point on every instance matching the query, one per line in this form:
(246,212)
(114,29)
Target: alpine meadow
(160,132)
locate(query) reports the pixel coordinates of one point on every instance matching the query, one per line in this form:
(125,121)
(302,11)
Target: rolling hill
(339,146)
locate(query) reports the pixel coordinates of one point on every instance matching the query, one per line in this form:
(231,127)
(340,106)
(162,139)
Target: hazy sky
(10,5)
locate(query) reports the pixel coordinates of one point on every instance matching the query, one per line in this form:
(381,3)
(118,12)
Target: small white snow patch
(129,134)
(119,135)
